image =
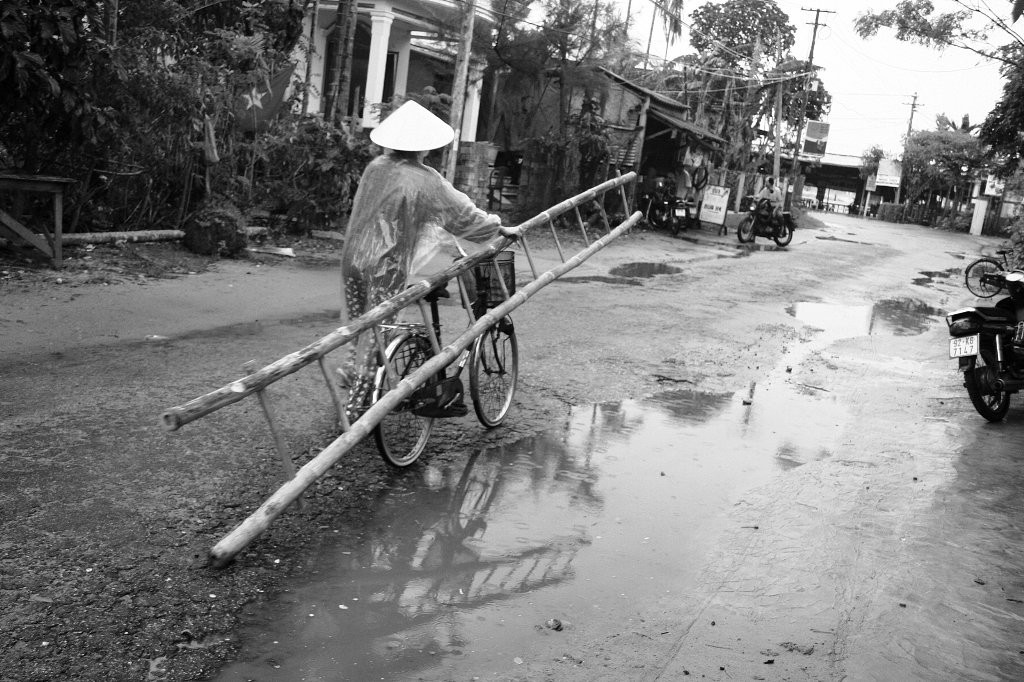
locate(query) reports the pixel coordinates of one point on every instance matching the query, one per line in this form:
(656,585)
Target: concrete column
(381,21)
(402,65)
(317,63)
(471,110)
(980,211)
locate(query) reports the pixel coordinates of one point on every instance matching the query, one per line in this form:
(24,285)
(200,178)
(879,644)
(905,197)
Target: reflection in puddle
(930,276)
(643,270)
(610,513)
(896,316)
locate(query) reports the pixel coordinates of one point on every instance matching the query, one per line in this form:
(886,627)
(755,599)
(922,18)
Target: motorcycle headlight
(964,326)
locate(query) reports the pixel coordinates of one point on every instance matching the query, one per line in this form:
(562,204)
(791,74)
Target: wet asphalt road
(722,463)
(843,515)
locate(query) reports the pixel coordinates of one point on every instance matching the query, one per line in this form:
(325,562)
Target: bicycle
(982,276)
(493,359)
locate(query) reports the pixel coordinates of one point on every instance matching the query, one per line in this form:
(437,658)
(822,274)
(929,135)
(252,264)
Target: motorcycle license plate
(963,346)
(680,212)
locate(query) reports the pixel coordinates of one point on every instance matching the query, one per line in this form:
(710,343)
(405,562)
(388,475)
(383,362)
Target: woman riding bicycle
(397,213)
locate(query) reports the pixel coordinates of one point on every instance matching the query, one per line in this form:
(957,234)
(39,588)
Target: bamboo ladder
(258,380)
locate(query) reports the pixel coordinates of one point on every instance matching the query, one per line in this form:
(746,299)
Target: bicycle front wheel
(493,372)
(978,280)
(401,436)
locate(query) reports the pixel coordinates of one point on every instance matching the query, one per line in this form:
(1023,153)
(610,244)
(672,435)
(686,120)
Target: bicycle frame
(431,328)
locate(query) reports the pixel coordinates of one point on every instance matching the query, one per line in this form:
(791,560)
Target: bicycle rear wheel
(401,436)
(493,372)
(976,280)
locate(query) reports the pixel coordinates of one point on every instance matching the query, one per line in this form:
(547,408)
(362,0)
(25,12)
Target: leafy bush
(215,231)
(127,120)
(307,170)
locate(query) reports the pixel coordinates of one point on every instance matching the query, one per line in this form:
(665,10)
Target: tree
(49,54)
(870,160)
(917,21)
(337,98)
(943,122)
(736,78)
(671,12)
(136,123)
(744,34)
(941,162)
(1002,128)
(551,67)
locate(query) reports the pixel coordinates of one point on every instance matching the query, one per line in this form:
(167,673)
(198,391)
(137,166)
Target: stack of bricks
(473,170)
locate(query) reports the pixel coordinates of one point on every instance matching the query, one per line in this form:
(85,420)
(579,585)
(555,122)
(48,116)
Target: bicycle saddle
(440,291)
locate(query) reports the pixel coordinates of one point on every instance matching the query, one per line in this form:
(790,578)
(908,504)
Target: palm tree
(943,122)
(341,67)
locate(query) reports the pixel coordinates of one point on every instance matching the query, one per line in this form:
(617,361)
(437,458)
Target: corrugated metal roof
(664,101)
(676,122)
(666,109)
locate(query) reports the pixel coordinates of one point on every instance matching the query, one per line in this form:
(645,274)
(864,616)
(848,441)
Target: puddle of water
(831,238)
(931,276)
(643,270)
(255,327)
(601,278)
(895,316)
(593,523)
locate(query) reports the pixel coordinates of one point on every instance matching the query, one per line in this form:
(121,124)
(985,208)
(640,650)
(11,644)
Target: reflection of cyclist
(397,211)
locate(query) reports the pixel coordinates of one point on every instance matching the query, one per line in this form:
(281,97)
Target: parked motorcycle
(663,209)
(988,342)
(761,221)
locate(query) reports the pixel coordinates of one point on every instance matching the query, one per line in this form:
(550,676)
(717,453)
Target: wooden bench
(11,227)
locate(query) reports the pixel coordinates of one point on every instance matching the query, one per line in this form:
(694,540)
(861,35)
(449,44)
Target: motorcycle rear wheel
(678,225)
(978,376)
(745,230)
(784,236)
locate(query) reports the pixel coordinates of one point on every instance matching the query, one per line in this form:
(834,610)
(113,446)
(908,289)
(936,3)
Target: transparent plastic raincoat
(399,213)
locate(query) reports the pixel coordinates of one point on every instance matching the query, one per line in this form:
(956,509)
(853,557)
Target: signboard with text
(994,186)
(889,173)
(715,204)
(816,138)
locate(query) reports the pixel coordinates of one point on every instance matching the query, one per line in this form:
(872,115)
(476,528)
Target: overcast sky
(872,81)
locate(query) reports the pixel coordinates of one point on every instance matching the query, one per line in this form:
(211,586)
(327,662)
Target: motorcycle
(663,209)
(761,221)
(988,343)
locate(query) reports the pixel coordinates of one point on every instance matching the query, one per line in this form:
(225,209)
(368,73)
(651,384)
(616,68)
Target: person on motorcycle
(774,196)
(400,215)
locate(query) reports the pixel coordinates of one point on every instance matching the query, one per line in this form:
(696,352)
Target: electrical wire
(903,68)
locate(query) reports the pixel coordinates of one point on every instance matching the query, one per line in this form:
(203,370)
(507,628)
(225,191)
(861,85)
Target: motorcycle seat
(995,313)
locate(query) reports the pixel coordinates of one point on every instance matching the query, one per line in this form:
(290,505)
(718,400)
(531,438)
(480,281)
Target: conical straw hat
(411,128)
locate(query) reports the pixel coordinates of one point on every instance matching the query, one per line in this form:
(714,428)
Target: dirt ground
(107,519)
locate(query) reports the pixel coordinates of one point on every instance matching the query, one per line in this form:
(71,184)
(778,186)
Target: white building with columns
(401,47)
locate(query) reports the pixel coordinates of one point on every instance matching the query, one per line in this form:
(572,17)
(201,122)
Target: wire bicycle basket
(488,285)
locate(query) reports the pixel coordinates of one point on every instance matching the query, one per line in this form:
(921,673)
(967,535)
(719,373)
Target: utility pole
(910,124)
(459,87)
(776,158)
(777,153)
(795,168)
